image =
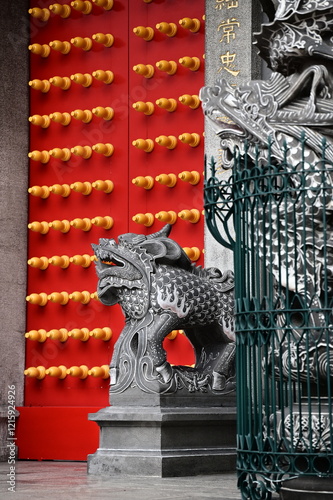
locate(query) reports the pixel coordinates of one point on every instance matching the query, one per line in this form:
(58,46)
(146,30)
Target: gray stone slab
(133,397)
(147,464)
(68,480)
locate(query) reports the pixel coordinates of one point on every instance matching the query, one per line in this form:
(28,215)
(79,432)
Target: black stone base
(308,488)
(164,442)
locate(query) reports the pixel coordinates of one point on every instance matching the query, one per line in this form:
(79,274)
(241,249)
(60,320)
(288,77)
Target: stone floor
(69,480)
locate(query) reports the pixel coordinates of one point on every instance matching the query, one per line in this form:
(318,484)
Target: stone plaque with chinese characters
(229,53)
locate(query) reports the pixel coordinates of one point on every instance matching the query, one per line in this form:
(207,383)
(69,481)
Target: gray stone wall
(230,54)
(14,110)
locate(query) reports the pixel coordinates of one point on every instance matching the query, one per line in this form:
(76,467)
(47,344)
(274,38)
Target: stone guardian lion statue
(159,290)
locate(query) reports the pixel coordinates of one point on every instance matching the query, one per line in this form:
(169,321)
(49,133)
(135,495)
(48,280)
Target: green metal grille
(282,215)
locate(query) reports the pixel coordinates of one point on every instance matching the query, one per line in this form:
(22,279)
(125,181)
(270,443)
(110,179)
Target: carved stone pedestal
(164,441)
(307,488)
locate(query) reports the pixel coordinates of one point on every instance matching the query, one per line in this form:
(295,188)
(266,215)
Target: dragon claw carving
(165,371)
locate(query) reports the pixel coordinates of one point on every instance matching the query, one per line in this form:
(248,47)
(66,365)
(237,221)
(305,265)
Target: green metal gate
(282,214)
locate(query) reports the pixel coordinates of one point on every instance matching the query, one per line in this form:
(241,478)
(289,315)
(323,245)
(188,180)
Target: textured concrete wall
(14,109)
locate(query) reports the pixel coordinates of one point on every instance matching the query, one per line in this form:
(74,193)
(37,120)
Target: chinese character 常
(227,28)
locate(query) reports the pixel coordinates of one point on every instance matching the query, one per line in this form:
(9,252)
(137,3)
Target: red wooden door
(83,125)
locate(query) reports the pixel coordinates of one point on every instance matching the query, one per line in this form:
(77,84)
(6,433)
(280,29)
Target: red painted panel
(94,352)
(56,433)
(49,399)
(184,119)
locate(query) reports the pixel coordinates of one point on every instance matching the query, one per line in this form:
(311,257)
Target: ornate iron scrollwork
(218,206)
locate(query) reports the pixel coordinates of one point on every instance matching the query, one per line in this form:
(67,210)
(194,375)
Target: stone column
(14,105)
(230,25)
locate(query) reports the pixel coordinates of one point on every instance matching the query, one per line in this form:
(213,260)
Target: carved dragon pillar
(277,139)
